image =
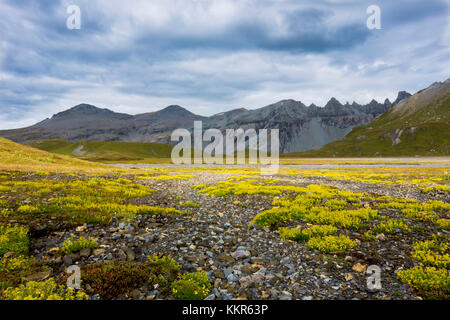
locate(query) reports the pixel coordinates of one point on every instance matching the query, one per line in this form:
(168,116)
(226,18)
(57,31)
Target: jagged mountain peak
(333,103)
(402,95)
(301,127)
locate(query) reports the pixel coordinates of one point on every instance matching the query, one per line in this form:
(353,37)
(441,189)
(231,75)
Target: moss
(331,244)
(163,264)
(14,269)
(114,279)
(48,290)
(444,224)
(14,239)
(82,200)
(432,252)
(391,226)
(191,204)
(432,282)
(191,286)
(74,245)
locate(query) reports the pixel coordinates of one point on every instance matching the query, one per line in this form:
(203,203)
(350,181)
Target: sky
(211,56)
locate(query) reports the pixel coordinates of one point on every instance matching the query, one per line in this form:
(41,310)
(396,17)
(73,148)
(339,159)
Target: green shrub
(71,245)
(432,252)
(433,282)
(336,204)
(191,286)
(292,234)
(330,244)
(444,224)
(336,218)
(368,236)
(15,264)
(30,209)
(191,204)
(391,226)
(13,239)
(164,265)
(48,290)
(272,217)
(113,279)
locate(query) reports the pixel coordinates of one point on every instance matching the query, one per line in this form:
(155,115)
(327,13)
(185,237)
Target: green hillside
(105,151)
(14,156)
(418,126)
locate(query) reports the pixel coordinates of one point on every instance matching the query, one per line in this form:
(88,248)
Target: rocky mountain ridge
(301,127)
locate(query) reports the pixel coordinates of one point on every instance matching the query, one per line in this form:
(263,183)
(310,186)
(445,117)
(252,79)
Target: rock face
(301,127)
(415,126)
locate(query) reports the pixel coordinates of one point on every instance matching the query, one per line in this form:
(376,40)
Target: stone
(241,254)
(359,268)
(9,255)
(381,237)
(349,277)
(67,260)
(98,252)
(219,274)
(122,255)
(130,254)
(285,295)
(232,278)
(250,268)
(225,258)
(116,236)
(75,256)
(253,280)
(86,252)
(135,294)
(227,272)
(41,276)
(81,229)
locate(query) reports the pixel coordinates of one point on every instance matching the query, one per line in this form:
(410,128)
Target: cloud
(212,56)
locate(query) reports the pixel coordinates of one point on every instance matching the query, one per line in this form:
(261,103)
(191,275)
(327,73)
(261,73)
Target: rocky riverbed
(241,261)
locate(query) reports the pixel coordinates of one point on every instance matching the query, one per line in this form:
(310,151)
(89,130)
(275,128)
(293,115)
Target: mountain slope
(418,125)
(89,123)
(105,151)
(14,156)
(301,127)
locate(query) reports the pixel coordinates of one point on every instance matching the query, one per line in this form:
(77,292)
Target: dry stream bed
(203,218)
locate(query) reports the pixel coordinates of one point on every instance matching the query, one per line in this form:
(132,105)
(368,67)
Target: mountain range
(417,126)
(301,127)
